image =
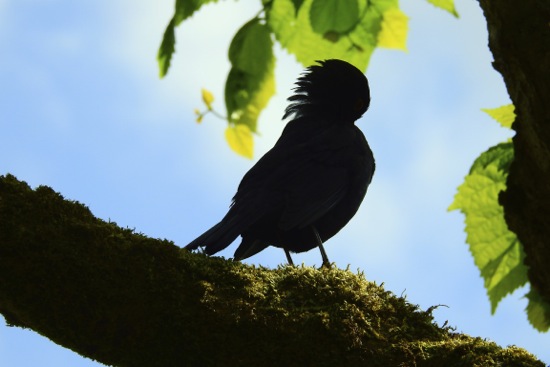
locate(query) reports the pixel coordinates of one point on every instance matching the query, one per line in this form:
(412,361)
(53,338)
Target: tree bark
(519,38)
(127,300)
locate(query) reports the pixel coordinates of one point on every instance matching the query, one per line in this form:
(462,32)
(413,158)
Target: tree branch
(519,38)
(127,300)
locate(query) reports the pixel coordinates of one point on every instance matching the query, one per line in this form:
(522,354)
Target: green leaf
(538,311)
(239,138)
(500,156)
(251,80)
(166,49)
(297,5)
(355,45)
(506,272)
(394,30)
(448,5)
(333,15)
(496,250)
(184,9)
(504,115)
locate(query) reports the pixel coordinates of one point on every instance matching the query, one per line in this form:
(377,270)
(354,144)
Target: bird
(311,183)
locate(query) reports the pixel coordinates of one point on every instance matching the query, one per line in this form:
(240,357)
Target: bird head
(334,90)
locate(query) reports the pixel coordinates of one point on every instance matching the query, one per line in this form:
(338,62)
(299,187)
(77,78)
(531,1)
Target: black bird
(311,183)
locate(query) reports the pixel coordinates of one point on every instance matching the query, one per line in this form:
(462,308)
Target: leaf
(394,30)
(500,156)
(295,32)
(448,5)
(251,80)
(333,15)
(166,49)
(506,272)
(496,250)
(184,9)
(239,138)
(538,311)
(504,115)
(297,5)
(207,98)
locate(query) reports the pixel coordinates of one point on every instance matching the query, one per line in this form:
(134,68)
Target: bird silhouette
(312,182)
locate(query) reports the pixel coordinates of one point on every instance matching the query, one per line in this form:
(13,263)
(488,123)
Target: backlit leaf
(297,4)
(251,80)
(448,5)
(184,9)
(394,30)
(166,49)
(499,156)
(295,32)
(538,311)
(239,138)
(496,250)
(504,115)
(333,15)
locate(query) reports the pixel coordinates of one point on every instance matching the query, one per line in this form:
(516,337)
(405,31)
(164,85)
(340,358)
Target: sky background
(82,110)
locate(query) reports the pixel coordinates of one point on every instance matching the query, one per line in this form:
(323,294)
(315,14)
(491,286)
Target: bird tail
(216,238)
(248,248)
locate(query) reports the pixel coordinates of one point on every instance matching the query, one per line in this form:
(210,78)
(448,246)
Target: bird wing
(312,189)
(302,180)
(307,203)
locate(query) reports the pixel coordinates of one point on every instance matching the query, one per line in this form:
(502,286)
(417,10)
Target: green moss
(124,299)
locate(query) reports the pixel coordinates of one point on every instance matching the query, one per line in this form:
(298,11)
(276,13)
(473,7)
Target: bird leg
(326,262)
(288,258)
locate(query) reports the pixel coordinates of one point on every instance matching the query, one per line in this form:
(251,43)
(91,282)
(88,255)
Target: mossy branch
(123,299)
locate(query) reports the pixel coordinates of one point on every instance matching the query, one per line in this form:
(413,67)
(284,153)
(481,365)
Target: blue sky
(82,110)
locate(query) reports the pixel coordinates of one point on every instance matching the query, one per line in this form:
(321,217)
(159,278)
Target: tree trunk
(519,38)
